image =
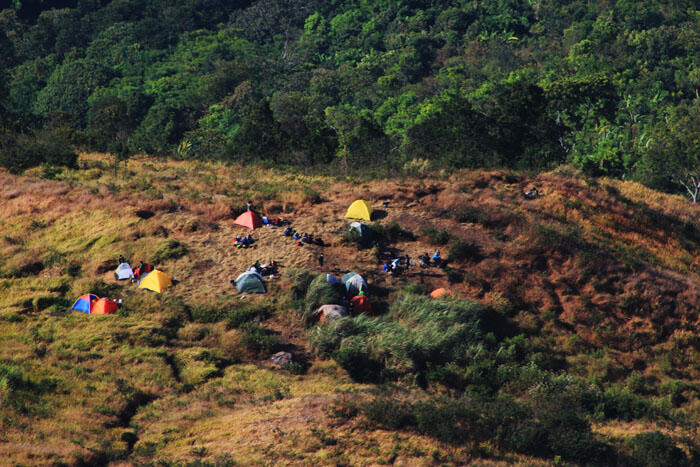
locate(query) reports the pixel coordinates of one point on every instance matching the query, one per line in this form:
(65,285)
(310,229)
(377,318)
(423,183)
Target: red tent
(249,219)
(104,306)
(360,304)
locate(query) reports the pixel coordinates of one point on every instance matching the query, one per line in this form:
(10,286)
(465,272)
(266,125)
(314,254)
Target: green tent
(250,282)
(354,283)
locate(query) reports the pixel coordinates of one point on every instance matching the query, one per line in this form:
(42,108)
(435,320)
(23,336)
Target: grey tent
(361,231)
(250,282)
(329,312)
(353,283)
(123,272)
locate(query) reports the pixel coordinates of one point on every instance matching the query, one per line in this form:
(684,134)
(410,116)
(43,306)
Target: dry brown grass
(631,290)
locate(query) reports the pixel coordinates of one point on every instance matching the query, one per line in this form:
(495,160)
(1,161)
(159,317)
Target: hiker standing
(408,263)
(250,205)
(320,260)
(122,259)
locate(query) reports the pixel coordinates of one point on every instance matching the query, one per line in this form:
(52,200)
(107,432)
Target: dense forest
(369,85)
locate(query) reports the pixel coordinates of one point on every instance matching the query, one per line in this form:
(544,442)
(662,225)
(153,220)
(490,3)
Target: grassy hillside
(573,337)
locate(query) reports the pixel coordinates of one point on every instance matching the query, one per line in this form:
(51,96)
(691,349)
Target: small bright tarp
(249,219)
(327,313)
(440,292)
(123,272)
(250,282)
(156,281)
(104,306)
(354,283)
(84,303)
(359,209)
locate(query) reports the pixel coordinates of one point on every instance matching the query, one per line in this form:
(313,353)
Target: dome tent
(331,279)
(84,303)
(123,272)
(249,219)
(360,209)
(354,283)
(156,281)
(250,282)
(330,312)
(104,306)
(362,232)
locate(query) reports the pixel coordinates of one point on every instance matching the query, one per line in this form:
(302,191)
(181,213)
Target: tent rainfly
(354,283)
(249,219)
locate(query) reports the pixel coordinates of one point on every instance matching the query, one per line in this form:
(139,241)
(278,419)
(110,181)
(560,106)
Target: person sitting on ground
(250,239)
(531,193)
(437,259)
(395,263)
(287,232)
(305,238)
(296,235)
(265,220)
(273,266)
(311,238)
(385,268)
(423,260)
(122,259)
(256,264)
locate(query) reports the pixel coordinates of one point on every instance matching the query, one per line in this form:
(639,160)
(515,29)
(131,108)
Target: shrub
(436,237)
(170,249)
(655,449)
(301,279)
(258,340)
(236,316)
(472,214)
(320,292)
(389,412)
(391,232)
(358,363)
(462,250)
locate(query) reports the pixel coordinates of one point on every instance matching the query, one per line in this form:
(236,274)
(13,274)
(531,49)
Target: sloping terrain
(601,275)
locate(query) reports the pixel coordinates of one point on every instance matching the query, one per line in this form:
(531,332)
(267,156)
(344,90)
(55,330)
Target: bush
(236,317)
(320,292)
(436,237)
(471,214)
(391,232)
(258,340)
(655,449)
(358,363)
(462,250)
(301,279)
(170,249)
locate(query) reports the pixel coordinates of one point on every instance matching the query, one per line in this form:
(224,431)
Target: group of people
(426,260)
(303,238)
(269,269)
(396,265)
(243,241)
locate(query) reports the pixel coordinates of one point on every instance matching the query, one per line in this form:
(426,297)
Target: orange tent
(104,306)
(249,219)
(360,304)
(440,292)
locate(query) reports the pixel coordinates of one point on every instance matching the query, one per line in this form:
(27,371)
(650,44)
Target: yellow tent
(156,281)
(360,209)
